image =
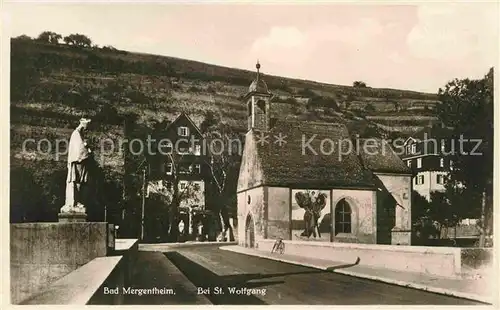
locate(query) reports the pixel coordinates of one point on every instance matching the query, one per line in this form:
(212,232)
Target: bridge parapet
(86,285)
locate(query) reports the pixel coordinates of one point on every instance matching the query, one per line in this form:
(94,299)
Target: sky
(414,47)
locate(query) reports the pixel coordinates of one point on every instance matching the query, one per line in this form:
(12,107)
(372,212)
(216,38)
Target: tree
(78,40)
(68,40)
(359,84)
(54,39)
(442,212)
(467,106)
(223,165)
(421,218)
(23,37)
(44,37)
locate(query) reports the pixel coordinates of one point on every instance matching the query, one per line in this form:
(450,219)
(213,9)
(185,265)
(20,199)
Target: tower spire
(258,67)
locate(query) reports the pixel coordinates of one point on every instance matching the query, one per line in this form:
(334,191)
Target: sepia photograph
(225,153)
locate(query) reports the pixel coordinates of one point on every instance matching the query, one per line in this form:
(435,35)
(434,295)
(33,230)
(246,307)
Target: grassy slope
(155,87)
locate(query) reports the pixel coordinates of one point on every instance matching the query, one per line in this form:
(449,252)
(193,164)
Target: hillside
(52,85)
(72,80)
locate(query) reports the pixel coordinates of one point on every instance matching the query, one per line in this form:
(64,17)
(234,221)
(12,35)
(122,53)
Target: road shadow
(202,277)
(344,266)
(206,279)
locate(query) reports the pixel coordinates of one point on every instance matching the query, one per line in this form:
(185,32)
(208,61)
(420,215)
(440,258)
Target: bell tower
(258,100)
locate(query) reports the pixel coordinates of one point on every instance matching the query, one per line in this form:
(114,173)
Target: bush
(137,96)
(211,89)
(370,108)
(306,92)
(326,102)
(475,257)
(291,101)
(359,84)
(193,89)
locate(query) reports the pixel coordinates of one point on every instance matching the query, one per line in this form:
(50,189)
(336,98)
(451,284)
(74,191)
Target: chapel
(299,180)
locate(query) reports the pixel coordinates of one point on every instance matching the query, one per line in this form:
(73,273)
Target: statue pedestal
(72,217)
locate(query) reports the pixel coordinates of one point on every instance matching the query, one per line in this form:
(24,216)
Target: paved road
(272,282)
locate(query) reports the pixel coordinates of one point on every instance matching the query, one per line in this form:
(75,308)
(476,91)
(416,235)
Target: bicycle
(279,246)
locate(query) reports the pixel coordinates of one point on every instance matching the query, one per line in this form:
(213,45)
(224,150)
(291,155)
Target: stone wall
(250,174)
(41,253)
(438,261)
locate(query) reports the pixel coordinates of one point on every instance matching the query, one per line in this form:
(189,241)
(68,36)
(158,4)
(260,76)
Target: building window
(183,131)
(408,163)
(407,149)
(183,150)
(413,148)
(451,164)
(196,187)
(443,146)
(419,162)
(419,180)
(343,217)
(440,179)
(197,168)
(182,185)
(441,162)
(169,168)
(185,169)
(166,146)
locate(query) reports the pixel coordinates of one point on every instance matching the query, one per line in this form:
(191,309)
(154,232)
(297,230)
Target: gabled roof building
(303,180)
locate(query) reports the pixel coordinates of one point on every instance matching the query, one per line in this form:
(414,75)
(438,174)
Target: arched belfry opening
(258,99)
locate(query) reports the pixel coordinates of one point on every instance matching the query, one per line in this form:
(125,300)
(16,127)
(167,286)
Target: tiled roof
(293,163)
(377,155)
(258,85)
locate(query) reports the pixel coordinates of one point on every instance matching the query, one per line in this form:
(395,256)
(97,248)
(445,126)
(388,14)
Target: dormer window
(183,131)
(197,150)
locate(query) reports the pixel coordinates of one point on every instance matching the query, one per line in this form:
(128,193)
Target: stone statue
(79,158)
